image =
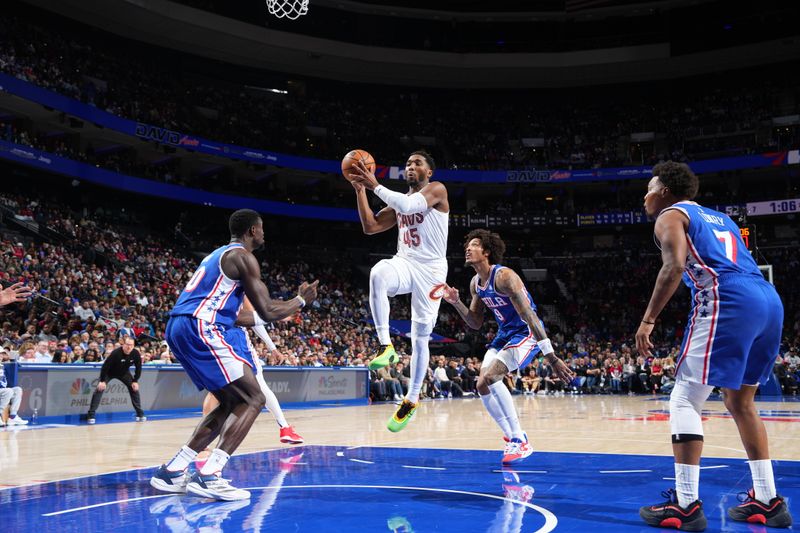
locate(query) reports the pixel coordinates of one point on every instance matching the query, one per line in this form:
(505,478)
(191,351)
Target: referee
(117,366)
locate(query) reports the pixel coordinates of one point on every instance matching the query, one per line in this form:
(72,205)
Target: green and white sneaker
(403,415)
(386,357)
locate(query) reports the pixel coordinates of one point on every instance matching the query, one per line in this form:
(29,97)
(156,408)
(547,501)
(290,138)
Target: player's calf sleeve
(685,410)
(420,357)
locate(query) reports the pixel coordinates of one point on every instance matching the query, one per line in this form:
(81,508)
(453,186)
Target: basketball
(352,157)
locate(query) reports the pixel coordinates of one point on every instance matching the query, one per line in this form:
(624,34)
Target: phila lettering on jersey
(211,295)
(510,324)
(422,236)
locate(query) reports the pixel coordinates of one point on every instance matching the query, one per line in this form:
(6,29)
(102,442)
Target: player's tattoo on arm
(508,282)
(472,315)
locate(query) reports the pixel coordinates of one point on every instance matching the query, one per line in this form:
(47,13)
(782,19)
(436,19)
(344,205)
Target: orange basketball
(352,157)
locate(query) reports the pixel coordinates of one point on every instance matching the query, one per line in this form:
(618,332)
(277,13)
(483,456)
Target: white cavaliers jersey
(423,236)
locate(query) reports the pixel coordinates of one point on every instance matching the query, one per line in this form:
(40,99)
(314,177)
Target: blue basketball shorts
(211,354)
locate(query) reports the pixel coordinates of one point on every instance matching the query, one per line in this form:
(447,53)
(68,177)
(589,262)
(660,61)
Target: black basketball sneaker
(671,515)
(772,514)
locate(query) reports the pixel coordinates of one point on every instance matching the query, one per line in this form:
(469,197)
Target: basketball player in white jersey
(419,267)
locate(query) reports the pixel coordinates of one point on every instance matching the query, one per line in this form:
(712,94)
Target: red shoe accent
(671,522)
(757,519)
(288,436)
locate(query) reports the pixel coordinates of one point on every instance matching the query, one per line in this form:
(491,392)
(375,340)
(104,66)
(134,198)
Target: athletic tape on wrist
(545,346)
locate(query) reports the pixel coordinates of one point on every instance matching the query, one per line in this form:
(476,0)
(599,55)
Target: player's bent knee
(383,277)
(421,330)
(685,410)
(257,401)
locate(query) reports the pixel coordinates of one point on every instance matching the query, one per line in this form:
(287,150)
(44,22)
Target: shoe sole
(697,525)
(380,363)
(163,486)
(516,459)
(395,427)
(196,490)
(292,441)
(782,520)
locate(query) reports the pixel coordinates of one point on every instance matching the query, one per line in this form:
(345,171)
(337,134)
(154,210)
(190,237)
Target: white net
(290,9)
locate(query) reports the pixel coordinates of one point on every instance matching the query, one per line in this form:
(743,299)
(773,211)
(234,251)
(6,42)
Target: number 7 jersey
(715,247)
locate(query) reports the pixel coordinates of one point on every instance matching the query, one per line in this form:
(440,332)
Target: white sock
(687,483)
(182,459)
(383,280)
(493,408)
(420,358)
(274,407)
(763,480)
(506,404)
(215,462)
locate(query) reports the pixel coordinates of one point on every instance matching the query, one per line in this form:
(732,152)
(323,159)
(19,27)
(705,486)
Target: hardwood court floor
(585,424)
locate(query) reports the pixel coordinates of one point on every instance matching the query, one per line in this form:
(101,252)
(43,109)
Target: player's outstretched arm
(370,222)
(508,282)
(14,293)
(432,195)
(670,231)
(472,315)
(244,267)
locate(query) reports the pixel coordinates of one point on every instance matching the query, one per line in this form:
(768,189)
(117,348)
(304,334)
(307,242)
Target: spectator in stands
(42,353)
(443,382)
(470,377)
(399,375)
(455,378)
(82,312)
(61,357)
(393,387)
(615,375)
(643,371)
(377,387)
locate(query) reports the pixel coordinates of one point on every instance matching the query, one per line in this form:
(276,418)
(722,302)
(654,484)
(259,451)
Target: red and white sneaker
(516,450)
(288,436)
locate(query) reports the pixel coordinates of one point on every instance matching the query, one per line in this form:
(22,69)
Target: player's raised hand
(362,175)
(14,293)
(450,295)
(359,187)
(643,343)
(308,291)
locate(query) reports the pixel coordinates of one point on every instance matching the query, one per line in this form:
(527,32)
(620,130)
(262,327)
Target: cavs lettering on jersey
(210,295)
(511,327)
(734,326)
(423,236)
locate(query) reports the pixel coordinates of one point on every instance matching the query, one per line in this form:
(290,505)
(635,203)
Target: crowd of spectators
(325,120)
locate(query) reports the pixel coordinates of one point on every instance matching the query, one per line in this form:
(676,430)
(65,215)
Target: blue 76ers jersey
(715,247)
(211,295)
(510,323)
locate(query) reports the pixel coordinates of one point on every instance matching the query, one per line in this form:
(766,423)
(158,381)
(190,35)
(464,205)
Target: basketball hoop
(290,9)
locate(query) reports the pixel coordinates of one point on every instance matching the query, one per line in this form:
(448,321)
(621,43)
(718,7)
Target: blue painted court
(329,488)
